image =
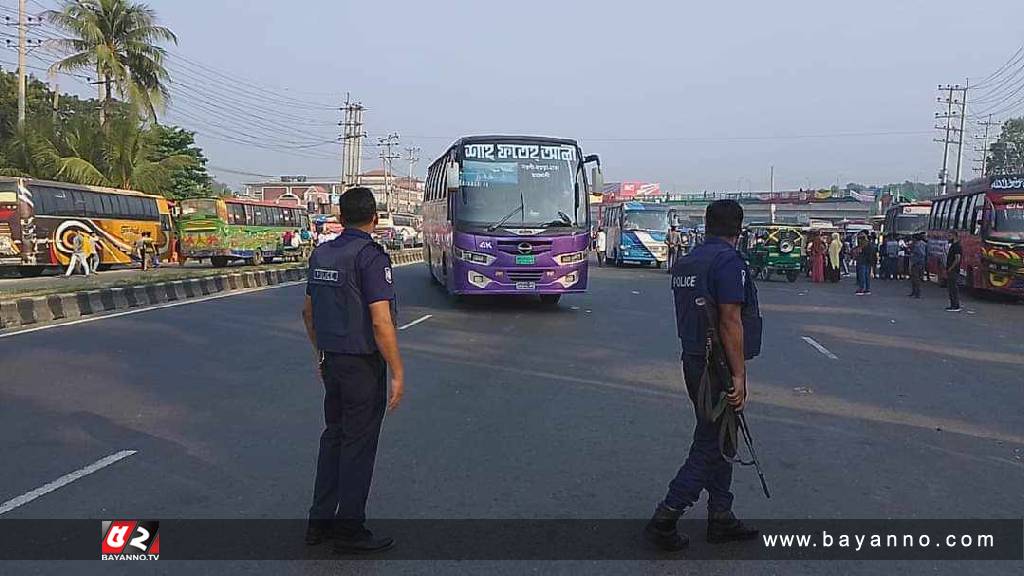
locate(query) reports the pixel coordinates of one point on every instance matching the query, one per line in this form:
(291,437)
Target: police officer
(350,318)
(716,272)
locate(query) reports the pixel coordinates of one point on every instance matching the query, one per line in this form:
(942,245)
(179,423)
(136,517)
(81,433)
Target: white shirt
(600,241)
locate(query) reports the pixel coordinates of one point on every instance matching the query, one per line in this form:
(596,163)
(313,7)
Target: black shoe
(317,531)
(362,542)
(725,527)
(661,530)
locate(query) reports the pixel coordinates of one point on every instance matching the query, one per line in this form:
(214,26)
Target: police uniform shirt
(727,281)
(373,267)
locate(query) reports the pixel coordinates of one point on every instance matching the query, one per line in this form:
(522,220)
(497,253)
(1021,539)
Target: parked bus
(38,217)
(227,229)
(989,218)
(508,215)
(635,232)
(905,220)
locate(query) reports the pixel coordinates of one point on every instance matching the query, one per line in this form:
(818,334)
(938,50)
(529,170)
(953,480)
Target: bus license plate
(527,260)
(526,285)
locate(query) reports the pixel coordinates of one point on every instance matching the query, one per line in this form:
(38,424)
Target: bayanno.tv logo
(130,540)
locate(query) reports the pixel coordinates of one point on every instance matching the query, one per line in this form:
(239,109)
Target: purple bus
(509,215)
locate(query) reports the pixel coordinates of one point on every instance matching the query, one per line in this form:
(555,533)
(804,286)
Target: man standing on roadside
(713,273)
(350,319)
(866,254)
(918,260)
(953,256)
(600,245)
(78,255)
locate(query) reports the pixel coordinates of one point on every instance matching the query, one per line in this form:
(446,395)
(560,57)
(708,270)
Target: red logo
(130,540)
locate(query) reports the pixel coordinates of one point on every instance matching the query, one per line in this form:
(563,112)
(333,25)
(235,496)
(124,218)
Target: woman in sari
(817,259)
(835,248)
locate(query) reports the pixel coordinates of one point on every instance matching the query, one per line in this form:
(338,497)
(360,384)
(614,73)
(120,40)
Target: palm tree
(119,39)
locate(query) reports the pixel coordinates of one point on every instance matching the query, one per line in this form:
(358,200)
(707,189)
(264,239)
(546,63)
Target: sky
(694,95)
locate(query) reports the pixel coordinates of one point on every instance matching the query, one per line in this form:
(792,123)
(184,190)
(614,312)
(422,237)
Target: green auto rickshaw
(773,248)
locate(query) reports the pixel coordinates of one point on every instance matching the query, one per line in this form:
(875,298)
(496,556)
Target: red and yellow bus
(38,219)
(988,216)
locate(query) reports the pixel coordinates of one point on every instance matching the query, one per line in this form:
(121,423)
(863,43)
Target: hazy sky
(710,93)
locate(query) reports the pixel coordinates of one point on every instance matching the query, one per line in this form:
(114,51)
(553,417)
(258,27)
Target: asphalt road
(514,411)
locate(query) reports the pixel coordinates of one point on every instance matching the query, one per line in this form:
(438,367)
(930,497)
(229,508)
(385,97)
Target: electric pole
(413,156)
(352,143)
(22,54)
(960,144)
(55,88)
(985,143)
(387,157)
(948,129)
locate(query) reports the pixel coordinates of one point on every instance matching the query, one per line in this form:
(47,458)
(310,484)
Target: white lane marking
(828,353)
(150,308)
(417,321)
(64,481)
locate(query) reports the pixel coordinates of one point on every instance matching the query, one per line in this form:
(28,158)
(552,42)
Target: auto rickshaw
(773,248)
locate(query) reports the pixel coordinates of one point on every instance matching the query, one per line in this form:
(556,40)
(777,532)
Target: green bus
(228,229)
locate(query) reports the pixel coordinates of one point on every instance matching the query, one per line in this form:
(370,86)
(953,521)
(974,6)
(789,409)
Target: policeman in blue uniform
(350,318)
(716,273)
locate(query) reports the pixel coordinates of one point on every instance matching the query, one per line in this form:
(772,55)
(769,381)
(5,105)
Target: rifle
(718,377)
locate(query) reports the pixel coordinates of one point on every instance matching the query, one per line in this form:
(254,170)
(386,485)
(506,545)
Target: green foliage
(119,41)
(191,180)
(1006,155)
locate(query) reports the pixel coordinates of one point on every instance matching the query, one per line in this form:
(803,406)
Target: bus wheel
(30,271)
(219,261)
(792,275)
(550,300)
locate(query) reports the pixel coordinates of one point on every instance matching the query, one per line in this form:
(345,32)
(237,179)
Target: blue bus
(636,233)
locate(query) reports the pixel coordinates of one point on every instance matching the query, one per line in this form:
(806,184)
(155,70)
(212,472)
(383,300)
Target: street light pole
(22,53)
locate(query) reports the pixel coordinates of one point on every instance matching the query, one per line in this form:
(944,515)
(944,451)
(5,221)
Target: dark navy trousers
(355,398)
(705,468)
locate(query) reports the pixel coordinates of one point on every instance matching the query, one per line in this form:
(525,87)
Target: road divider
(33,311)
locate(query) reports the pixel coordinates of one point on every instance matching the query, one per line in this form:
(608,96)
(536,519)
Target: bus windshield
(645,220)
(200,207)
(537,194)
(1008,223)
(910,223)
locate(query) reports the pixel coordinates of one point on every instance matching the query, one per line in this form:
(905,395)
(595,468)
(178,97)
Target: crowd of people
(87,253)
(896,258)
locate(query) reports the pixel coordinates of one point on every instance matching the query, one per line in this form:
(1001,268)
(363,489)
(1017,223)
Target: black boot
(725,527)
(362,542)
(661,530)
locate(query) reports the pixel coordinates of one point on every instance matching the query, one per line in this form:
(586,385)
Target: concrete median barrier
(21,312)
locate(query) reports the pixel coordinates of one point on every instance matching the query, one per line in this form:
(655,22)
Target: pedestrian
(865,254)
(711,272)
(95,253)
(154,254)
(78,254)
(673,241)
(953,256)
(844,257)
(350,318)
(835,251)
(891,250)
(903,266)
(918,260)
(601,240)
(140,251)
(817,259)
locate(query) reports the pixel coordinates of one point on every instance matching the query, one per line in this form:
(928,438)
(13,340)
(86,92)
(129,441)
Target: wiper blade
(520,208)
(564,220)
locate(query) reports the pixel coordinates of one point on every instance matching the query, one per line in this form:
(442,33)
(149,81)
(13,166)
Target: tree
(119,40)
(188,181)
(221,189)
(1006,156)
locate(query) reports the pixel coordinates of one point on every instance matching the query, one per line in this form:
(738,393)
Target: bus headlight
(569,279)
(571,258)
(479,280)
(473,257)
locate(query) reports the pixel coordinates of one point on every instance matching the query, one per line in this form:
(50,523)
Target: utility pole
(985,143)
(352,143)
(948,116)
(55,88)
(772,208)
(413,156)
(960,144)
(387,157)
(22,54)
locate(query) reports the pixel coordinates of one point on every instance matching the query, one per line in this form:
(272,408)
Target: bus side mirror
(597,181)
(453,178)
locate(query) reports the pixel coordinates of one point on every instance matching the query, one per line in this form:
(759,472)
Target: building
(320,195)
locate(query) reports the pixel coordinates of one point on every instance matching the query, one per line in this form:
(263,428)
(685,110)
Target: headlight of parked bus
(571,258)
(479,280)
(474,257)
(569,279)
